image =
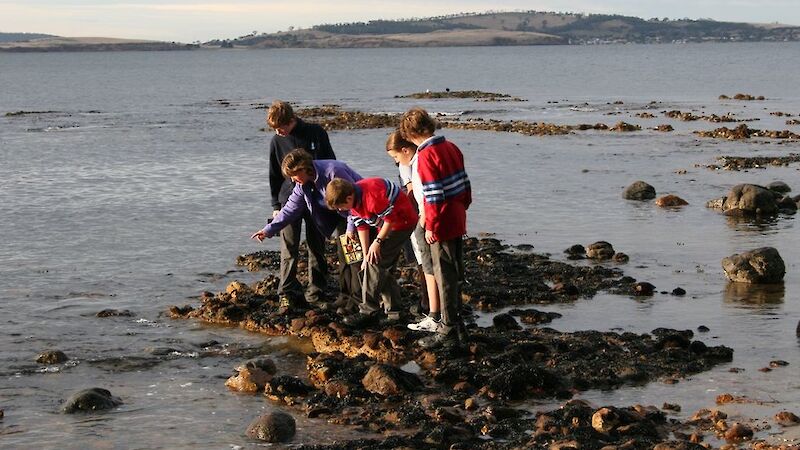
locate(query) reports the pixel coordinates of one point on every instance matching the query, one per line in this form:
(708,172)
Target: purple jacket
(311,197)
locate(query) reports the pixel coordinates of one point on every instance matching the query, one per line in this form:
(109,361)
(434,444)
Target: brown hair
(337,192)
(297,160)
(396,142)
(280,113)
(417,122)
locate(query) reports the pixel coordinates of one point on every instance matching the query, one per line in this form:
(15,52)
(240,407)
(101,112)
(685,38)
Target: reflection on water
(746,295)
(755,224)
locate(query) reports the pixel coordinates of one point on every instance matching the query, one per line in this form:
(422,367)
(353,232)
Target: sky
(203,20)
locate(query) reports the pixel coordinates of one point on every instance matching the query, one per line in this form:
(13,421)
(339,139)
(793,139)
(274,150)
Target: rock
(51,357)
(670,201)
(750,199)
(249,380)
(505,322)
(643,289)
(787,419)
(778,363)
(2,413)
(639,190)
(703,329)
(678,291)
(717,203)
(577,251)
(272,427)
(264,363)
(779,187)
(93,399)
(388,380)
(678,445)
(760,266)
(787,205)
(671,407)
(605,419)
(620,258)
(600,250)
(115,313)
(738,432)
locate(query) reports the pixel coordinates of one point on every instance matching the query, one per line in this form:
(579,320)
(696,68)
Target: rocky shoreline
(378,379)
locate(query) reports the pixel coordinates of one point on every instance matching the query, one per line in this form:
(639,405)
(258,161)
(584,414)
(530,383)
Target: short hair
(417,122)
(337,192)
(297,160)
(280,113)
(397,142)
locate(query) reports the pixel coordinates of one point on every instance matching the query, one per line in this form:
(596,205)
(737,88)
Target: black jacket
(308,136)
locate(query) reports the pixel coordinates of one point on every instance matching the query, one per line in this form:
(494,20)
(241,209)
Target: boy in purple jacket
(311,178)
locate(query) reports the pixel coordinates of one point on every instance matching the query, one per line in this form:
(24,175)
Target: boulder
(388,380)
(787,419)
(738,432)
(600,250)
(670,201)
(249,380)
(576,251)
(272,427)
(505,322)
(51,357)
(639,190)
(779,187)
(750,199)
(93,399)
(760,266)
(263,363)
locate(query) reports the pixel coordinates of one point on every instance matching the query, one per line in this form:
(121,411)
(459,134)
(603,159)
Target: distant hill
(21,37)
(90,44)
(513,28)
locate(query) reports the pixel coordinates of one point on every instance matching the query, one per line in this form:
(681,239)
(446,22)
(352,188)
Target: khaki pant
(379,287)
(448,268)
(289,286)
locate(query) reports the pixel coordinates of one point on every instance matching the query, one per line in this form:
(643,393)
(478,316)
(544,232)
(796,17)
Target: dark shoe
(360,320)
(453,338)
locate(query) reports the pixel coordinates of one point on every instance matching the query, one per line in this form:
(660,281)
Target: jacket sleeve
(291,212)
(275,175)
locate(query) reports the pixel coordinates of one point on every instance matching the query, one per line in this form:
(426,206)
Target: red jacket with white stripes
(377,200)
(445,187)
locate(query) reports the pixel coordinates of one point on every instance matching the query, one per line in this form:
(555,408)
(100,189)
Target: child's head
(340,194)
(399,149)
(417,125)
(281,118)
(298,165)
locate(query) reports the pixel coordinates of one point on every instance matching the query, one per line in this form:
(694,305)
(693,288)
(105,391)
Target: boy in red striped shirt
(378,203)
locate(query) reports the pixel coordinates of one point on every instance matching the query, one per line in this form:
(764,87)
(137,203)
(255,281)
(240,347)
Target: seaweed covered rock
(760,266)
(51,357)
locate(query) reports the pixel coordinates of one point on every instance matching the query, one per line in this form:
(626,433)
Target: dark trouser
(349,279)
(317,264)
(380,286)
(448,268)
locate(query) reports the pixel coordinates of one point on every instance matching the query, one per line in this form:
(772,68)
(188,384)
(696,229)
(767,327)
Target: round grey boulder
(750,199)
(639,190)
(93,399)
(760,266)
(273,427)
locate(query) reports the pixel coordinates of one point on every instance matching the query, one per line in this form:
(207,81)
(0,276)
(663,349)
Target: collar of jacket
(433,140)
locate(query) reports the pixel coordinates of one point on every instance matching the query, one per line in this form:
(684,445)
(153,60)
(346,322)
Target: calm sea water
(138,189)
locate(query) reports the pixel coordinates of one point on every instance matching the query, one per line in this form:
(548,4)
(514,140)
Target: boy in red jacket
(375,202)
(446,196)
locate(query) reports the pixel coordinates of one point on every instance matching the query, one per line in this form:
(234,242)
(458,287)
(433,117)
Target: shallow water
(140,189)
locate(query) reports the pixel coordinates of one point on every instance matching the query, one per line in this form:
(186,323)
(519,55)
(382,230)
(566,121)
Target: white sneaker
(426,324)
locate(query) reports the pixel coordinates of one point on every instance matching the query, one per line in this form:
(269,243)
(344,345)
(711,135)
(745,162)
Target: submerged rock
(115,313)
(93,399)
(779,187)
(670,201)
(273,427)
(52,357)
(639,190)
(760,266)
